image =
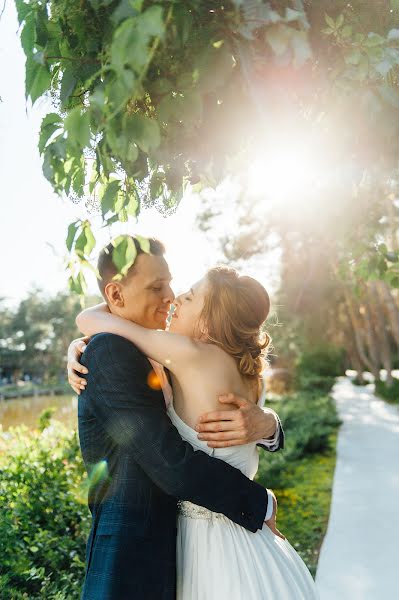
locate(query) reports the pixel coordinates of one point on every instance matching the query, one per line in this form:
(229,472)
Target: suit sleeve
(133,415)
(277,442)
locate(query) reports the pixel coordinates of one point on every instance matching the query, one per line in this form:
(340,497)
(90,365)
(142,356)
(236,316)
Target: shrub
(308,422)
(313,382)
(388,393)
(322,360)
(302,474)
(44,519)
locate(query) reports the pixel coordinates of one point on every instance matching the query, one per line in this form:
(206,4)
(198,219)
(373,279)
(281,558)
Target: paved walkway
(359,558)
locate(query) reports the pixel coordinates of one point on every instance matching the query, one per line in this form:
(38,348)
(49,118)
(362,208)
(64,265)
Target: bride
(215,344)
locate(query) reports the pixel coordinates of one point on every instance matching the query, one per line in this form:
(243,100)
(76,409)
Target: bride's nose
(177,300)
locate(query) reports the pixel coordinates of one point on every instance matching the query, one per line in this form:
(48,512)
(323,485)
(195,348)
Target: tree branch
(3,9)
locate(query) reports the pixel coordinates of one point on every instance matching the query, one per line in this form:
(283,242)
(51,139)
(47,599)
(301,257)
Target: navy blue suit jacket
(138,467)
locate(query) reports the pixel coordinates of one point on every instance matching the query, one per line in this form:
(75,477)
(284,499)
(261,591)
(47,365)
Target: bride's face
(188,308)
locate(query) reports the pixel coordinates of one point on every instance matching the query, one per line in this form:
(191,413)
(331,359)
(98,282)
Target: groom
(138,464)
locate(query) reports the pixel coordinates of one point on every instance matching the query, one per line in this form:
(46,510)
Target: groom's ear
(114,294)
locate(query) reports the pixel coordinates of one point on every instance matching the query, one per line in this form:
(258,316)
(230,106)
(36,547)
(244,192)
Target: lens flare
(98,473)
(154,381)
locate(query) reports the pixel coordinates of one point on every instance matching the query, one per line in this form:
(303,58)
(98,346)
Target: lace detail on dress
(193,511)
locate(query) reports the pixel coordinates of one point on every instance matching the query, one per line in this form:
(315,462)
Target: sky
(34,220)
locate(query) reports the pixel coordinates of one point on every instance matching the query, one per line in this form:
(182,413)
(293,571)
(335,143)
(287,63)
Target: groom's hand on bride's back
(75,351)
(248,423)
(271,523)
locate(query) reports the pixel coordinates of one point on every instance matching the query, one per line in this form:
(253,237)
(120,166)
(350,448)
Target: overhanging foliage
(150,95)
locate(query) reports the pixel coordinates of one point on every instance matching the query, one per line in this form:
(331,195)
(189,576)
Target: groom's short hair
(105,265)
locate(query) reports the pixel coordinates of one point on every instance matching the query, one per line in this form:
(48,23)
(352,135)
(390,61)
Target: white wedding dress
(220,560)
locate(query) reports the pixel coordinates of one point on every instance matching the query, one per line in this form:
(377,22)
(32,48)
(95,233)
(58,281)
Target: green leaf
(144,243)
(340,21)
(96,4)
(151,22)
(123,254)
(353,58)
(72,229)
(123,216)
(85,241)
(79,179)
(156,185)
(128,80)
(58,147)
(80,243)
(77,124)
(129,47)
(28,34)
(132,205)
(50,124)
(90,239)
(373,39)
(41,27)
(78,284)
(37,79)
(68,84)
(330,22)
(144,131)
(23,9)
(130,44)
(184,22)
(214,66)
(120,201)
(109,197)
(124,10)
(346,31)
(48,170)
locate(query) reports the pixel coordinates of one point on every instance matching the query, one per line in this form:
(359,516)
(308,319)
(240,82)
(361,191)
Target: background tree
(35,336)
(336,294)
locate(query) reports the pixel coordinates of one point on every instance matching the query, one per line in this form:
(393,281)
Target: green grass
(304,505)
(301,475)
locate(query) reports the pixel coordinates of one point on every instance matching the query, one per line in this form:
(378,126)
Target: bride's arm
(170,349)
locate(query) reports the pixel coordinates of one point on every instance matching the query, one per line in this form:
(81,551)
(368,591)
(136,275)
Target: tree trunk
(391,309)
(354,358)
(371,339)
(358,336)
(384,346)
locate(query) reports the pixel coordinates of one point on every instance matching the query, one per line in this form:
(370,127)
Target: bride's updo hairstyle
(235,308)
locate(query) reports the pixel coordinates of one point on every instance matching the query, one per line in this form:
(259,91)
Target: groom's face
(147,294)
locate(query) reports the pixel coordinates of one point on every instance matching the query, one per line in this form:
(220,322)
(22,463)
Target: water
(26,411)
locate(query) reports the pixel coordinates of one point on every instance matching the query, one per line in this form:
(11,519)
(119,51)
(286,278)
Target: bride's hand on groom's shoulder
(245,425)
(271,523)
(75,351)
